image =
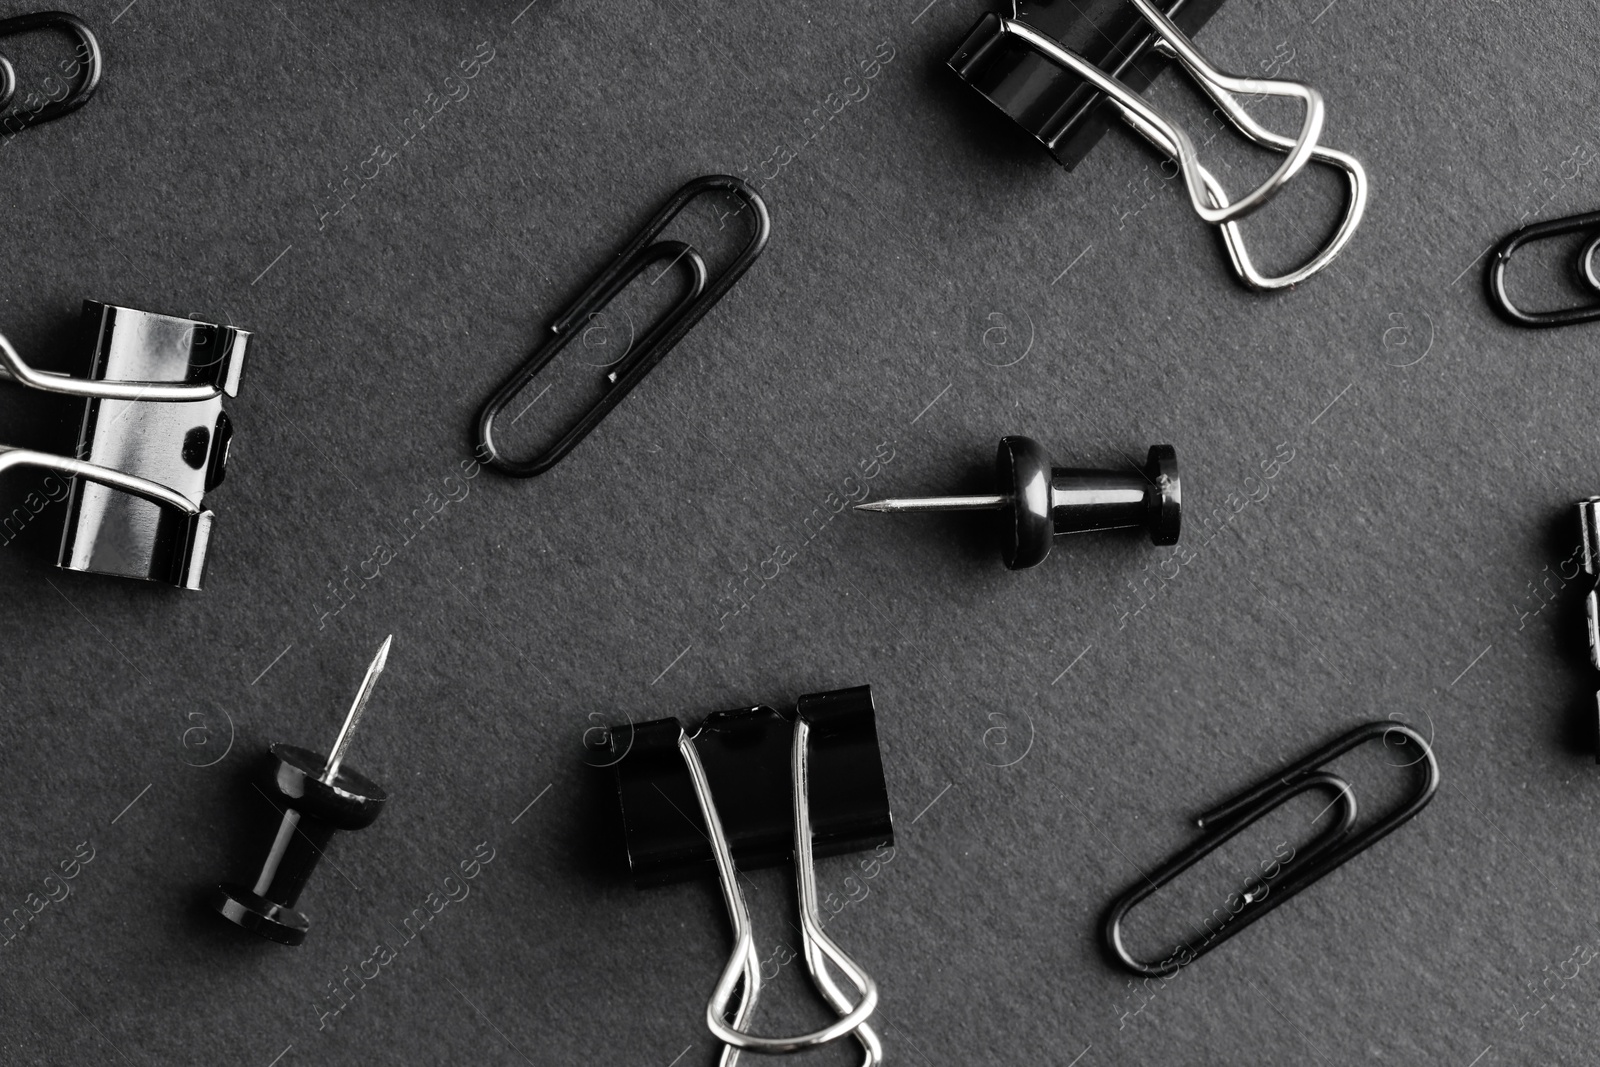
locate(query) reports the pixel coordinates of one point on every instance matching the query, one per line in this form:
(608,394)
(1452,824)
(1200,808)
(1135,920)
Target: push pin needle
(1045,501)
(937,503)
(363,695)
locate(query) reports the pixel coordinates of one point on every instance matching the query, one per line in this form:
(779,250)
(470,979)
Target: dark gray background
(1392,565)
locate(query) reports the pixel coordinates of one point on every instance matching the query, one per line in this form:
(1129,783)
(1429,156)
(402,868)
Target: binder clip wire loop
(1355,200)
(690,308)
(1330,850)
(818,946)
(1131,104)
(1500,260)
(1171,139)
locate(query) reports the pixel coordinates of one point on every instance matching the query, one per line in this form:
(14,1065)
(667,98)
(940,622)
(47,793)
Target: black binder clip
(1332,848)
(152,440)
(1500,259)
(1061,68)
(837,802)
(667,331)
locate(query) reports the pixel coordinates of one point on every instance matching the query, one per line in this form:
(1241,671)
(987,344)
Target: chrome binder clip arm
(1131,105)
(154,492)
(794,785)
(226,378)
(1232,236)
(1355,174)
(744,964)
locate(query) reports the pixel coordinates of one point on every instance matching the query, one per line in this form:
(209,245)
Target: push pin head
(1041,501)
(318,797)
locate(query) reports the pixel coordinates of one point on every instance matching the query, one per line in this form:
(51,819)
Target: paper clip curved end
(1328,850)
(1500,260)
(89,61)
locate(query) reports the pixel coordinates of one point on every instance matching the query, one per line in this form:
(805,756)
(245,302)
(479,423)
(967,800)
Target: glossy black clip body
(1329,850)
(1067,116)
(746,755)
(1500,260)
(86,61)
(667,331)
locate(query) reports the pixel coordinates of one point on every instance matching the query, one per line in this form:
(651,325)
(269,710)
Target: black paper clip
(1500,259)
(836,802)
(86,60)
(667,331)
(151,441)
(1332,848)
(1059,68)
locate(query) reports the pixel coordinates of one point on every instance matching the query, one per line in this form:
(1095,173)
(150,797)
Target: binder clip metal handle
(667,331)
(154,492)
(224,375)
(1131,105)
(1500,260)
(663,770)
(745,964)
(1331,849)
(1063,121)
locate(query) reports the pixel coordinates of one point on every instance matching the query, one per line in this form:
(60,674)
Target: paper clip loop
(1331,849)
(88,62)
(1500,259)
(668,330)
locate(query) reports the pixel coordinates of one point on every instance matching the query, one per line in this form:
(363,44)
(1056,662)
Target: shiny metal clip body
(1589,524)
(151,442)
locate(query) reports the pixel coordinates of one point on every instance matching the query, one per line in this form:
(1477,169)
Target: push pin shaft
(319,796)
(1043,501)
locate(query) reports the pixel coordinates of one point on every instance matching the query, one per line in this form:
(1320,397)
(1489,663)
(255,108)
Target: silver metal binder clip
(1589,522)
(152,441)
(1209,200)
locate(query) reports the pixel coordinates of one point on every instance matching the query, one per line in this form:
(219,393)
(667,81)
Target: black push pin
(320,796)
(1043,501)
